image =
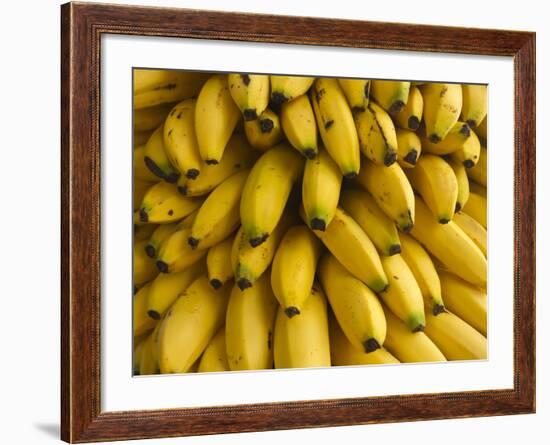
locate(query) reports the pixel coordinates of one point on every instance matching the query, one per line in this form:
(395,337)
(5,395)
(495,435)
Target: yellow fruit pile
(295,222)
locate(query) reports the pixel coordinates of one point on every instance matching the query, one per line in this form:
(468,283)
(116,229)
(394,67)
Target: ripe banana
(218,263)
(455,338)
(140,188)
(216,116)
(214,357)
(144,267)
(476,207)
(190,324)
(377,137)
(148,364)
(285,88)
(463,184)
(163,204)
(161,233)
(436,182)
(146,79)
(266,192)
(410,116)
(156,160)
(303,341)
(408,148)
(380,229)
(136,357)
(481,130)
(392,191)
(250,92)
(442,107)
(150,118)
(142,323)
(141,171)
(293,269)
(455,140)
(264,132)
(320,190)
(478,172)
(391,95)
(298,123)
(357,93)
(474,104)
(336,125)
(249,326)
(469,154)
(473,229)
(450,245)
(356,307)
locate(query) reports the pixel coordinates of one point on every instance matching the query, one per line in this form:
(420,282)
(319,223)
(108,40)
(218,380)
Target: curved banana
(249,326)
(478,172)
(391,95)
(476,207)
(481,130)
(136,357)
(142,324)
(140,188)
(473,229)
(285,88)
(156,160)
(455,140)
(442,107)
(410,116)
(216,116)
(357,93)
(264,132)
(377,137)
(293,269)
(147,119)
(470,152)
(298,123)
(190,324)
(250,92)
(336,125)
(320,190)
(463,184)
(163,204)
(141,171)
(144,267)
(161,233)
(214,357)
(266,191)
(474,104)
(408,148)
(147,79)
(303,341)
(218,263)
(148,364)
(356,307)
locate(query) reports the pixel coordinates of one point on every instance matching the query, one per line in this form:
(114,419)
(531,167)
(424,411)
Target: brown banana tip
(458,206)
(150,251)
(245,78)
(193,242)
(350,175)
(135,289)
(390,158)
(357,109)
(395,249)
(407,228)
(412,157)
(172,177)
(471,123)
(256,241)
(278,98)
(250,114)
(162,266)
(371,345)
(143,217)
(396,107)
(183,190)
(318,224)
(468,163)
(192,173)
(211,161)
(444,220)
(215,283)
(266,125)
(153,314)
(438,309)
(419,328)
(434,138)
(413,123)
(291,311)
(310,153)
(386,287)
(243,283)
(465,130)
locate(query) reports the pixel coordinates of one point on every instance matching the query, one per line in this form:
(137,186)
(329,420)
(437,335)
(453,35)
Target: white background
(30,208)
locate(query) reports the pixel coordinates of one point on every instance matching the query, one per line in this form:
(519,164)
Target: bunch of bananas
(291,222)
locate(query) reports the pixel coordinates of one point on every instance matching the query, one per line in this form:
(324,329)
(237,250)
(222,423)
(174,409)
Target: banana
(140,188)
(455,338)
(141,171)
(408,148)
(238,155)
(473,229)
(218,216)
(293,269)
(180,140)
(248,262)
(466,301)
(140,137)
(264,132)
(214,357)
(144,267)
(356,307)
(403,296)
(136,357)
(266,191)
(470,152)
(142,324)
(190,324)
(407,346)
(156,160)
(478,189)
(336,125)
(463,184)
(286,88)
(442,107)
(478,172)
(148,364)
(476,207)
(147,79)
(455,140)
(216,116)
(410,116)
(391,95)
(298,123)
(250,92)
(249,326)
(436,182)
(481,130)
(218,263)
(163,204)
(380,229)
(392,191)
(450,245)
(150,118)
(377,137)
(161,233)
(362,261)
(144,231)
(320,190)
(303,341)
(357,93)
(424,273)
(166,288)
(474,104)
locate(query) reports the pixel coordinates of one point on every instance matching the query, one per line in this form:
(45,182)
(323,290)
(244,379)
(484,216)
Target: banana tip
(371,345)
(244,283)
(418,328)
(266,125)
(395,249)
(411,157)
(438,309)
(318,224)
(211,161)
(413,123)
(183,190)
(153,314)
(162,266)
(192,173)
(434,138)
(278,98)
(396,107)
(465,130)
(310,153)
(444,220)
(143,217)
(471,123)
(291,311)
(250,114)
(468,163)
(257,240)
(458,207)
(150,251)
(390,158)
(193,242)
(215,283)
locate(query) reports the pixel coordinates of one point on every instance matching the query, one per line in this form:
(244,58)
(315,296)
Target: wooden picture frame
(82,26)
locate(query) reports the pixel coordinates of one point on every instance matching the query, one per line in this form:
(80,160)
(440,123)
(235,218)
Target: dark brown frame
(81,28)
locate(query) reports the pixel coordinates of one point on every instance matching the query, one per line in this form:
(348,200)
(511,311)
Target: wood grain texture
(82,26)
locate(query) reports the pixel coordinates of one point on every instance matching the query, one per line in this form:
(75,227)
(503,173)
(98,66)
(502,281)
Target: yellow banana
(150,118)
(148,79)
(285,88)
(466,301)
(336,125)
(303,341)
(214,357)
(218,263)
(410,116)
(407,346)
(436,182)
(293,269)
(392,191)
(442,106)
(476,207)
(408,148)
(156,160)
(144,267)
(218,216)
(456,138)
(320,190)
(357,93)
(190,324)
(469,154)
(266,191)
(356,307)
(473,229)
(478,172)
(163,204)
(463,184)
(455,338)
(474,104)
(216,116)
(264,132)
(450,245)
(481,130)
(140,188)
(161,233)
(380,229)
(391,95)
(148,364)
(250,92)
(377,137)
(249,326)
(424,273)
(142,323)
(298,123)
(136,357)
(141,171)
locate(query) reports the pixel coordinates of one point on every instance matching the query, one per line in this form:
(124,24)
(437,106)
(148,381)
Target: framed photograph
(274,222)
